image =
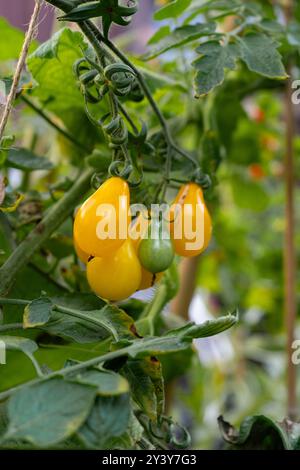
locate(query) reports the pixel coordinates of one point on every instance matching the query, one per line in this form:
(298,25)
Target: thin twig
(21,62)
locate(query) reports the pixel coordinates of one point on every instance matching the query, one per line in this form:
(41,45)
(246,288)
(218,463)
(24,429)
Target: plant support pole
(290,307)
(51,221)
(290,252)
(28,38)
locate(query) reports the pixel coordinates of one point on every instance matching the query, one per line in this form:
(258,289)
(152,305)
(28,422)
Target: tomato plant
(95,123)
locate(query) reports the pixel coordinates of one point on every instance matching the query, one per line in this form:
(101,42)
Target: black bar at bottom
(136,459)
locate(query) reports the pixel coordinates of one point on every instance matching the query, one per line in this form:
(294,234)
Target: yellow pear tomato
(101,223)
(116,276)
(82,255)
(190,222)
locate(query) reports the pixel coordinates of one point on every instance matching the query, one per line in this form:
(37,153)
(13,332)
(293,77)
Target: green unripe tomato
(156,255)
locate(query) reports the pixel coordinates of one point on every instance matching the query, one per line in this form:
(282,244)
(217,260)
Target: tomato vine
(112,355)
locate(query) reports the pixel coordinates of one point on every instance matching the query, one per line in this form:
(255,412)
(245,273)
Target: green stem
(55,126)
(149,96)
(26,177)
(144,86)
(5,301)
(36,366)
(50,222)
(96,38)
(128,118)
(69,370)
(155,307)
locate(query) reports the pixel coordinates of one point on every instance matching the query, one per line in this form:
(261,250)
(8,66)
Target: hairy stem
(50,222)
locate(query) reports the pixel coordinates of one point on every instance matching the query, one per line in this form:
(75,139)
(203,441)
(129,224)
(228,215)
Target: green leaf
(212,327)
(146,383)
(271,26)
(157,81)
(16,343)
(22,289)
(261,433)
(180,36)
(249,194)
(72,328)
(109,418)
(79,301)
(223,5)
(24,159)
(52,48)
(260,54)
(3,419)
(24,345)
(160,34)
(158,345)
(211,153)
(210,67)
(117,322)
(107,382)
(11,201)
(59,245)
(229,112)
(129,438)
(215,8)
(48,412)
(172,10)
(37,312)
(180,339)
(6,236)
(101,319)
(293,34)
(10,48)
(51,66)
(183,361)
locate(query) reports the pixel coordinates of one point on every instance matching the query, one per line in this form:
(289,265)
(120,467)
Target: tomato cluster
(125,259)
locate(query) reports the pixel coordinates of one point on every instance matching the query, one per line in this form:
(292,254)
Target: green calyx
(109,10)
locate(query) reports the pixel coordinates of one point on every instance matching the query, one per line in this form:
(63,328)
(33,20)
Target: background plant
(228,55)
